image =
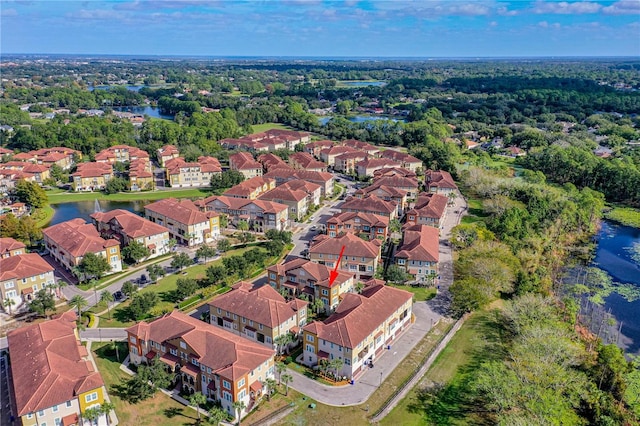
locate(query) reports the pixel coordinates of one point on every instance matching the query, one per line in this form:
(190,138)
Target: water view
(363,83)
(149,110)
(614,256)
(84,209)
(361,118)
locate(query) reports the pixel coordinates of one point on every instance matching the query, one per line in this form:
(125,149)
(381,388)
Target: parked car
(118,295)
(313,228)
(143,279)
(304,253)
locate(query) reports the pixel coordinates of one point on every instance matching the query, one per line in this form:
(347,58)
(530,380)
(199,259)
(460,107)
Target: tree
(280,368)
(186,287)
(395,274)
(215,274)
(205,252)
(107,298)
(146,382)
(224,221)
(196,400)
(106,408)
(242,225)
(42,303)
(116,184)
(282,341)
(78,302)
(141,304)
(337,365)
(92,414)
(8,303)
(60,285)
(286,379)
(317,305)
(239,406)
(216,416)
(93,266)
(129,289)
(31,194)
(180,260)
(155,271)
(58,174)
(172,244)
(271,385)
(135,252)
(224,245)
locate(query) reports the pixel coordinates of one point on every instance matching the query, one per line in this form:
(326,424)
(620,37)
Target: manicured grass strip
(56,197)
(257,128)
(420,293)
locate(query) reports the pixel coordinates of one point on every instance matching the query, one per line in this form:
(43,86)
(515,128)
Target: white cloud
(8,12)
(566,8)
(97,14)
(493,24)
(503,11)
(469,9)
(623,7)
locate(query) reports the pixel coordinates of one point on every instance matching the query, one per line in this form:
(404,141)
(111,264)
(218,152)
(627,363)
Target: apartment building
(407,161)
(37,172)
(244,163)
(360,257)
(394,171)
(362,327)
(54,381)
(324,179)
(303,277)
(370,204)
(364,225)
(166,153)
(221,365)
(185,222)
(410,185)
(314,148)
(11,247)
(313,190)
(271,161)
(91,176)
(346,163)
(296,200)
(429,209)
(386,193)
(252,188)
(181,174)
(305,161)
(140,175)
(260,313)
(439,181)
(362,146)
(23,275)
(261,215)
(367,167)
(126,227)
(419,252)
(328,155)
(68,242)
(121,154)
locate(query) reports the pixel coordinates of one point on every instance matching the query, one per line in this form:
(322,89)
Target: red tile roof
(440,179)
(420,242)
(131,224)
(430,205)
(308,187)
(364,218)
(317,272)
(183,211)
(358,315)
(23,266)
(245,188)
(48,364)
(7,245)
(353,246)
(377,163)
(93,169)
(78,237)
(306,161)
(243,161)
(369,204)
(280,194)
(399,156)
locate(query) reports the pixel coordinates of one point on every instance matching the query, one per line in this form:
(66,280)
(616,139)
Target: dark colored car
(118,295)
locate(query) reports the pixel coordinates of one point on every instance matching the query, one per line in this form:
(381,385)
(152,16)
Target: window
(272,276)
(401,261)
(91,397)
(183,345)
(325,292)
(33,278)
(57,421)
(244,320)
(173,351)
(310,338)
(369,268)
(41,413)
(9,284)
(113,250)
(114,258)
(226,384)
(241,382)
(310,348)
(30,415)
(347,361)
(260,326)
(242,394)
(219,311)
(133,339)
(227,396)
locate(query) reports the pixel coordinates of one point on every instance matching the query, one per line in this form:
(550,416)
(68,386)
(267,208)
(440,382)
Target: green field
(59,197)
(420,293)
(257,128)
(625,215)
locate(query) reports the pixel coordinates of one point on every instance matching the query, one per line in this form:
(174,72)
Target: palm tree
(280,368)
(78,302)
(243,226)
(271,386)
(239,406)
(92,414)
(286,379)
(282,341)
(337,365)
(107,298)
(8,302)
(60,285)
(106,408)
(196,399)
(452,198)
(77,273)
(216,416)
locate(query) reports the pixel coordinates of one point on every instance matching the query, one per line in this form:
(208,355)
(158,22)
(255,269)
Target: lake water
(613,255)
(131,88)
(361,119)
(145,110)
(83,209)
(363,83)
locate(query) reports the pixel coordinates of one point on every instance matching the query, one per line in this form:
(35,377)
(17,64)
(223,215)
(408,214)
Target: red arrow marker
(334,274)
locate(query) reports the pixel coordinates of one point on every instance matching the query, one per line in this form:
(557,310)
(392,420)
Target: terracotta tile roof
(306,161)
(430,205)
(268,206)
(285,194)
(399,156)
(110,153)
(168,150)
(286,133)
(78,237)
(23,266)
(308,187)
(5,151)
(355,155)
(228,354)
(361,145)
(369,204)
(271,160)
(93,169)
(420,242)
(379,189)
(48,365)
(203,159)
(35,168)
(323,143)
(183,211)
(55,150)
(245,188)
(243,161)
(23,156)
(338,150)
(131,224)
(365,218)
(358,315)
(353,246)
(396,182)
(317,272)
(377,163)
(440,179)
(263,304)
(9,244)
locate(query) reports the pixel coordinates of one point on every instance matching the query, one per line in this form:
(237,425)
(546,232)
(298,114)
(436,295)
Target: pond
(614,255)
(361,118)
(363,83)
(83,209)
(145,110)
(106,87)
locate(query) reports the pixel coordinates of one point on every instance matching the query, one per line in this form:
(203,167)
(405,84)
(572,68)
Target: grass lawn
(157,411)
(468,348)
(163,287)
(43,216)
(420,293)
(59,197)
(107,280)
(257,128)
(355,415)
(624,215)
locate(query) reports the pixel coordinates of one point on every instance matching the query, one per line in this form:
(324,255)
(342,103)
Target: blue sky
(368,28)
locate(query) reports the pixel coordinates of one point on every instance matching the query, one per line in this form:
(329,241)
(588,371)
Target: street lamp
(380,384)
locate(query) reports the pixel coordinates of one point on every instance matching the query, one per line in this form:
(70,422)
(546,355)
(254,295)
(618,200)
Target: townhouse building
(386,193)
(394,171)
(419,252)
(61,156)
(166,153)
(362,327)
(364,225)
(313,190)
(140,175)
(252,188)
(324,179)
(244,163)
(260,215)
(54,381)
(429,209)
(223,366)
(297,201)
(328,155)
(271,161)
(185,222)
(11,247)
(367,167)
(260,313)
(314,148)
(182,174)
(372,150)
(126,227)
(68,242)
(91,176)
(37,172)
(360,257)
(407,161)
(439,181)
(370,204)
(23,275)
(346,163)
(121,154)
(410,185)
(304,277)
(305,161)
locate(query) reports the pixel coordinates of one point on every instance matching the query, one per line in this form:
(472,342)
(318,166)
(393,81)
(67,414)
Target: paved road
(103,334)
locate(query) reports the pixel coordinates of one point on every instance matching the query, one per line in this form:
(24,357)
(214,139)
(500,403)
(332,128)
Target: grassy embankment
(354,415)
(625,215)
(58,197)
(257,128)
